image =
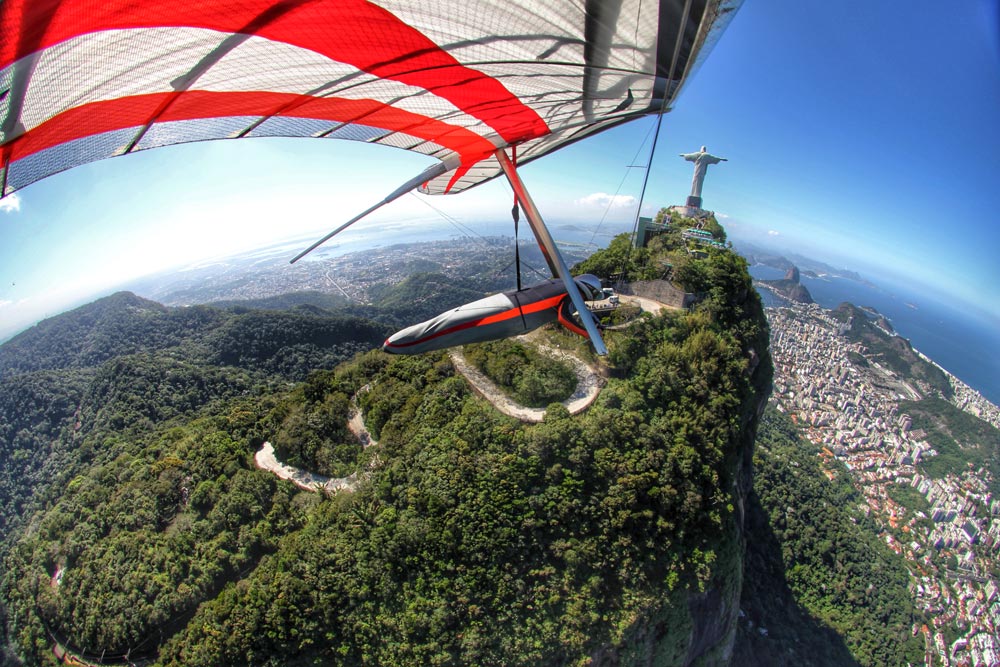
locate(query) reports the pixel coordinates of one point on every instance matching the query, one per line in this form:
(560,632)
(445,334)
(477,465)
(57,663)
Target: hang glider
(461,81)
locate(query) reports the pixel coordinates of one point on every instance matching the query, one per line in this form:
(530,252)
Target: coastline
(965,397)
(959,346)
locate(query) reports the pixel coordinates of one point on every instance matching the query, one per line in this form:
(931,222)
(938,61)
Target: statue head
(704,150)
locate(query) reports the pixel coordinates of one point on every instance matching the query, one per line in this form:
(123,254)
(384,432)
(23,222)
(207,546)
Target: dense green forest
(124,366)
(820,588)
(894,352)
(668,255)
(530,378)
(146,531)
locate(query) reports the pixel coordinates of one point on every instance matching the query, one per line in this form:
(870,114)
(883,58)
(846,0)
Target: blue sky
(864,134)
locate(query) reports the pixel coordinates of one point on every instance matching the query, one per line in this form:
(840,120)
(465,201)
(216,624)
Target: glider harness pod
(498,316)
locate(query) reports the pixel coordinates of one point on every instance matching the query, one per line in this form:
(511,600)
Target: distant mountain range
(126,324)
(756,254)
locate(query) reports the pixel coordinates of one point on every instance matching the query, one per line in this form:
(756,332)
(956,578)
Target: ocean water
(961,341)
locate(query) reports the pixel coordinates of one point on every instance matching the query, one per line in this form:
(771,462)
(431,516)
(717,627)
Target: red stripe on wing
(99,117)
(510,313)
(348,31)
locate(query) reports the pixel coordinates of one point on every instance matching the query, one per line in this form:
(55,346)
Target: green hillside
(961,440)
(122,367)
(472,538)
(895,352)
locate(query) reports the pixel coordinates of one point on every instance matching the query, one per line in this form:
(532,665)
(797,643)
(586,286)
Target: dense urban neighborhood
(942,517)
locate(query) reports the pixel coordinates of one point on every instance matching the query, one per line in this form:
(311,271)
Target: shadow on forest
(793,637)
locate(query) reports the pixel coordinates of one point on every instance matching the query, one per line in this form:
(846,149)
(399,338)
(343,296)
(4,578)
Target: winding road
(588,386)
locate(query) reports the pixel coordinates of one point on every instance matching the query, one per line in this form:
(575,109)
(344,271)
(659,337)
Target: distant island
(789,287)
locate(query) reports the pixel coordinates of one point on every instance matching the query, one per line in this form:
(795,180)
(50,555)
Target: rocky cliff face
(701,628)
(715,613)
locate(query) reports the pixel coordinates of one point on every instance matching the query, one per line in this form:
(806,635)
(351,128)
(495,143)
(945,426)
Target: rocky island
(790,287)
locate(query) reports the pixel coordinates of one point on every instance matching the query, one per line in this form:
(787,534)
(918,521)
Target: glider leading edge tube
(498,316)
(555,260)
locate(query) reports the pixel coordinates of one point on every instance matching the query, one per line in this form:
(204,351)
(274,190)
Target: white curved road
(588,386)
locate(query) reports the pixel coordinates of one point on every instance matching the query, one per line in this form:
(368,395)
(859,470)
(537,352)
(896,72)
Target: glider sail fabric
(82,80)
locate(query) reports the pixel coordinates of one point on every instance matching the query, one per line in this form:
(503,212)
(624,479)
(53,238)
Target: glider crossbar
(431,172)
(552,255)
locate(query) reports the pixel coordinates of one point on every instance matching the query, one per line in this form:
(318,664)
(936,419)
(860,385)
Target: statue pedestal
(693,202)
(689,211)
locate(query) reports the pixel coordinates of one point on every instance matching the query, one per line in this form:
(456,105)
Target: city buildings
(848,404)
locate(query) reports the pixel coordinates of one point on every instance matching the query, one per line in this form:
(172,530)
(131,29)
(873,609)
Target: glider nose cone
(416,339)
(397,342)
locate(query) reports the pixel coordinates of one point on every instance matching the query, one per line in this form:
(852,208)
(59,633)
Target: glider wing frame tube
(552,255)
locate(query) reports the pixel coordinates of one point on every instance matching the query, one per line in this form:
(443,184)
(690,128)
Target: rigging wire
(630,165)
(645,180)
(534,269)
(642,196)
(659,121)
(516,214)
(473,234)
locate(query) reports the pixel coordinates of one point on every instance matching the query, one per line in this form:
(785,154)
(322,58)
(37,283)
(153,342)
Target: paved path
(310,481)
(588,386)
(647,305)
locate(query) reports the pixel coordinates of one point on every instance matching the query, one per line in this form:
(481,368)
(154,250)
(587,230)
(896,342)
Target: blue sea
(961,341)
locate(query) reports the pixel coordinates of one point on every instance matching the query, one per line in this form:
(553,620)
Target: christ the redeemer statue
(701,161)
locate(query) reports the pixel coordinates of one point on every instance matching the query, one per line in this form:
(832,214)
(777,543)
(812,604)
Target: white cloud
(10,203)
(604,200)
(771,232)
